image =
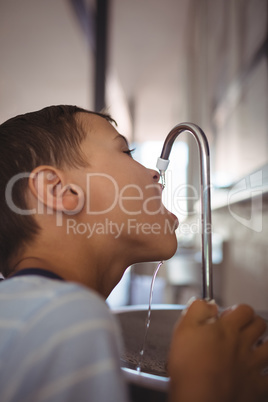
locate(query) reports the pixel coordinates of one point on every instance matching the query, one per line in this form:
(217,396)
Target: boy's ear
(48,186)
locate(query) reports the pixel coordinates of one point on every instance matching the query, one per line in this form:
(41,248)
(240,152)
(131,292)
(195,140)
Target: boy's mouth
(176,222)
(175,219)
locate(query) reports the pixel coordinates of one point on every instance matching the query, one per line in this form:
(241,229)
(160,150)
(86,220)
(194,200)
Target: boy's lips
(175,219)
(161,187)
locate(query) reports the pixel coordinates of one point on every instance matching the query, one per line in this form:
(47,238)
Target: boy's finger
(254,331)
(238,316)
(200,311)
(263,386)
(261,356)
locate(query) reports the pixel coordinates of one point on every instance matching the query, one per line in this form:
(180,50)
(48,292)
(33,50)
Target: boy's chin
(169,253)
(165,250)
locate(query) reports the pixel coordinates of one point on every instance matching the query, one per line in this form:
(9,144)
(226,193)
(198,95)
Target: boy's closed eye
(129,152)
(124,140)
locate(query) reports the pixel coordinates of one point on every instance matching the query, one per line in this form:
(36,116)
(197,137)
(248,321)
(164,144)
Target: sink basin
(153,373)
(152,382)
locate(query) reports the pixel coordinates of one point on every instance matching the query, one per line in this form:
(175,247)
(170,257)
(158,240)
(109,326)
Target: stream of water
(148,318)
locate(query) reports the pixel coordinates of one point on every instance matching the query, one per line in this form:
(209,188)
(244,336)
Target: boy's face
(123,207)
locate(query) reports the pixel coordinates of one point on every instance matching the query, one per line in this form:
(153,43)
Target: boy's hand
(215,359)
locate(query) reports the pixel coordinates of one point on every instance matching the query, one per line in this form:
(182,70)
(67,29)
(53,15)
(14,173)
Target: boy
(76,211)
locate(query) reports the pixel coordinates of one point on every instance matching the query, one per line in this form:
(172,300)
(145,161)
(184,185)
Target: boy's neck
(64,271)
(83,270)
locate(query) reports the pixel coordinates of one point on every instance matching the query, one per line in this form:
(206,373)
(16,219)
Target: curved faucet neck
(205,196)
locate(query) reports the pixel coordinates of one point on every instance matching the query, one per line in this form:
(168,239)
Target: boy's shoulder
(52,330)
(30,298)
(35,309)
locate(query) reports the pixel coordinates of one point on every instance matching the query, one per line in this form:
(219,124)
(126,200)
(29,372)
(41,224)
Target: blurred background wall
(45,58)
(166,62)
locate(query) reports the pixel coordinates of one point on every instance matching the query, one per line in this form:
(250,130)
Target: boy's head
(51,136)
(64,161)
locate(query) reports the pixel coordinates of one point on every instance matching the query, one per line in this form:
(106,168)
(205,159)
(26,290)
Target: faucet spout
(205,197)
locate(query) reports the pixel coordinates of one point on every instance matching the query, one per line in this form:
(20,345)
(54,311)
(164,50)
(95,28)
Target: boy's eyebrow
(123,138)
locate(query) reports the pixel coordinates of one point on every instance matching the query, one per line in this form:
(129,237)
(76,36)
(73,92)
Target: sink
(153,374)
(152,382)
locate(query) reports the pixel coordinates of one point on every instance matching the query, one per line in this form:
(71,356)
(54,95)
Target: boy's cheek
(101,194)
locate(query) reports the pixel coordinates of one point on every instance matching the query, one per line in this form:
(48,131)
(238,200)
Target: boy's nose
(155,175)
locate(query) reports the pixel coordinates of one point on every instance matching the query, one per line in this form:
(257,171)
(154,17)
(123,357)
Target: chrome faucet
(162,165)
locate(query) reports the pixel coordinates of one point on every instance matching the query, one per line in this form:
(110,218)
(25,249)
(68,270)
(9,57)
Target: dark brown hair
(51,136)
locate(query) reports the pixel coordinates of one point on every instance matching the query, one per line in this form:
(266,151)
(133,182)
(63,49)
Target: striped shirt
(58,343)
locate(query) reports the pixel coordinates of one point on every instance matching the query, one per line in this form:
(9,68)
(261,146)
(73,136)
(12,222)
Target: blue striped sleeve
(65,349)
